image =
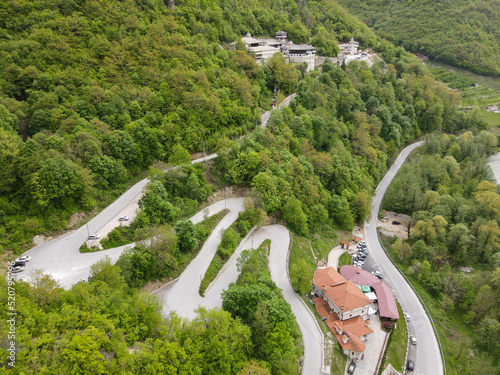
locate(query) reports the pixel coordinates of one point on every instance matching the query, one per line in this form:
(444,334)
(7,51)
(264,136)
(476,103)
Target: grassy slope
(395,352)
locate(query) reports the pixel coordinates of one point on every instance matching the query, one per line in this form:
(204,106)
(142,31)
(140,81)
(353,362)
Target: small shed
(345,244)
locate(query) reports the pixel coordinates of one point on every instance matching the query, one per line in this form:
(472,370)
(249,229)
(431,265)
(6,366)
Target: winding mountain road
(62,259)
(183,297)
(425,354)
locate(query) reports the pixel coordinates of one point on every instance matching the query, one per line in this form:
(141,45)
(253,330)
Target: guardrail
(420,299)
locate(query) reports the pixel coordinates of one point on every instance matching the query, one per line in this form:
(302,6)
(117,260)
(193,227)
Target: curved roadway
(61,257)
(425,354)
(183,297)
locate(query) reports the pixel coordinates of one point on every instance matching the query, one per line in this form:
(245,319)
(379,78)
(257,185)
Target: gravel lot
(391,230)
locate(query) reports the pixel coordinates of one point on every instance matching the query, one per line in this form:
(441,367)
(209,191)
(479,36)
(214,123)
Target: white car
(94,236)
(377,273)
(123,218)
(407,317)
(413,340)
(24,258)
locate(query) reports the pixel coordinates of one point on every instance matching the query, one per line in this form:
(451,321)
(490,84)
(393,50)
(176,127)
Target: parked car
(377,273)
(410,365)
(15,269)
(22,264)
(24,258)
(395,222)
(407,317)
(94,236)
(413,340)
(351,368)
(123,218)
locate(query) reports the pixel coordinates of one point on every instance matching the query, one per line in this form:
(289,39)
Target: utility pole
(204,155)
(88,233)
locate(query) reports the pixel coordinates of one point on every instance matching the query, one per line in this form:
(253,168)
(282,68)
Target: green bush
(119,236)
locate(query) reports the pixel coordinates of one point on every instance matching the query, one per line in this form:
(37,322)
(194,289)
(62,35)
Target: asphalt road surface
(62,260)
(425,354)
(61,257)
(183,297)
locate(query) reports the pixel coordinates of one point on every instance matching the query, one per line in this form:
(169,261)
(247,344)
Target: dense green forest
(463,33)
(104,327)
(455,212)
(92,93)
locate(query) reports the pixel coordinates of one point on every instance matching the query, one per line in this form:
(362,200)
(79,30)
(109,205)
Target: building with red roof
(344,309)
(388,308)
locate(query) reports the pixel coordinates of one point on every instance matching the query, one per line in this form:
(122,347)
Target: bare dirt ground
(390,230)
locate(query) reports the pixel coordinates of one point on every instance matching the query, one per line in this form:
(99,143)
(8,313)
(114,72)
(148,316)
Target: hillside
(93,93)
(464,33)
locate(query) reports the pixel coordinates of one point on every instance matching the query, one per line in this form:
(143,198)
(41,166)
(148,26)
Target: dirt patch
(151,286)
(76,218)
(40,239)
(390,230)
(225,193)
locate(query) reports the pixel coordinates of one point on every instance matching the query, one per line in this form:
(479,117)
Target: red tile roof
(358,276)
(344,294)
(347,296)
(386,300)
(346,332)
(327,277)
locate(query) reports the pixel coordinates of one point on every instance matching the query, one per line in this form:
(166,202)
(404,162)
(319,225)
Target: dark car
(410,365)
(351,368)
(20,263)
(16,268)
(395,222)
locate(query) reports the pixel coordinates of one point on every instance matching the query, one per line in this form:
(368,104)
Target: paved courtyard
(373,350)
